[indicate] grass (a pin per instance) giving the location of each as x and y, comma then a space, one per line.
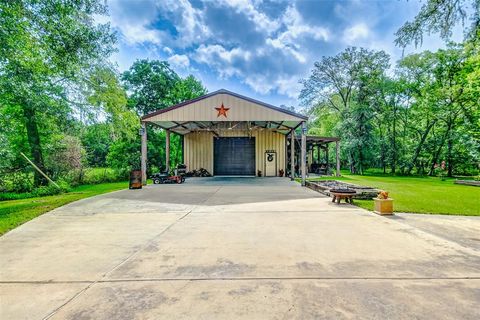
15, 212
420, 194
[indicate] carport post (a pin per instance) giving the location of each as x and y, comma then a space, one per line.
337, 154
167, 150
292, 154
143, 158
304, 152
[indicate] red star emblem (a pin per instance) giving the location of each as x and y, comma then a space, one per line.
222, 111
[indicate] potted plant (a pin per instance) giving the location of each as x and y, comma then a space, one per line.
383, 204
281, 173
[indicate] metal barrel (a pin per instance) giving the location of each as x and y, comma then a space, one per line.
135, 179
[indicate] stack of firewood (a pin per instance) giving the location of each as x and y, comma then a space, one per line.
199, 173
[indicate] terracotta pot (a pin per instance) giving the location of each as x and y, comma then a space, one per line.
383, 206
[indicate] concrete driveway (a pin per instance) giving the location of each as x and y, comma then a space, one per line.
242, 248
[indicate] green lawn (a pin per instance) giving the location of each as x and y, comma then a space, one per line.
420, 194
15, 212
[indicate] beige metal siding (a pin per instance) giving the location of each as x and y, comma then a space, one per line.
198, 148
198, 151
269, 140
239, 110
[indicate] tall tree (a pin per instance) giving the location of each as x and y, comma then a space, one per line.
153, 85
346, 84
45, 49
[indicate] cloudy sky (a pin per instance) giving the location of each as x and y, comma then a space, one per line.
257, 48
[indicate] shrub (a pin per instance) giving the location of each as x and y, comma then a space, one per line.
66, 159
16, 182
100, 175
50, 190
42, 191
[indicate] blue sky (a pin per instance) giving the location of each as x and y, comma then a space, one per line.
257, 48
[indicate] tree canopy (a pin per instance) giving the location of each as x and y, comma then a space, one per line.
441, 16
46, 48
64, 104
423, 114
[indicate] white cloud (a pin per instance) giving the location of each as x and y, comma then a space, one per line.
289, 86
262, 22
278, 44
259, 83
187, 20
284, 85
356, 32
133, 20
136, 19
221, 59
179, 60
297, 28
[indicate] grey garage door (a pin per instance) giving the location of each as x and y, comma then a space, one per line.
234, 156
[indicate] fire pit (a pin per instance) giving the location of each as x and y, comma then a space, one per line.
324, 186
339, 194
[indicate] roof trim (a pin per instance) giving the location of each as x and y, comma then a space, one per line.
152, 114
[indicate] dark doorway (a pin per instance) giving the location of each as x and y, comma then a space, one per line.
234, 156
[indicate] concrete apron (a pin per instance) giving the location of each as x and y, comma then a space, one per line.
223, 248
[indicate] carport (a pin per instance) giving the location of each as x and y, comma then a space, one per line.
230, 134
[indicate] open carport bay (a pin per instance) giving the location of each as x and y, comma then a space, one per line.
233, 248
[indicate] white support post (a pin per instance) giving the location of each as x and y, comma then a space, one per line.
337, 153
143, 158
304, 152
292, 155
167, 150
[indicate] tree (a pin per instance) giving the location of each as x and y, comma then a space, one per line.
187, 89
441, 104
106, 93
440, 16
45, 49
153, 85
333, 76
150, 85
347, 84
96, 140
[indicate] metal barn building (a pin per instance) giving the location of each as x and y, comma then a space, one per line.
230, 134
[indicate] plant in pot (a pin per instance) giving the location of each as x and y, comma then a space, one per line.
383, 204
259, 173
281, 173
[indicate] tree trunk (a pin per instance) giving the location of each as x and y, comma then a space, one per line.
449, 156
419, 147
394, 141
34, 142
436, 155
